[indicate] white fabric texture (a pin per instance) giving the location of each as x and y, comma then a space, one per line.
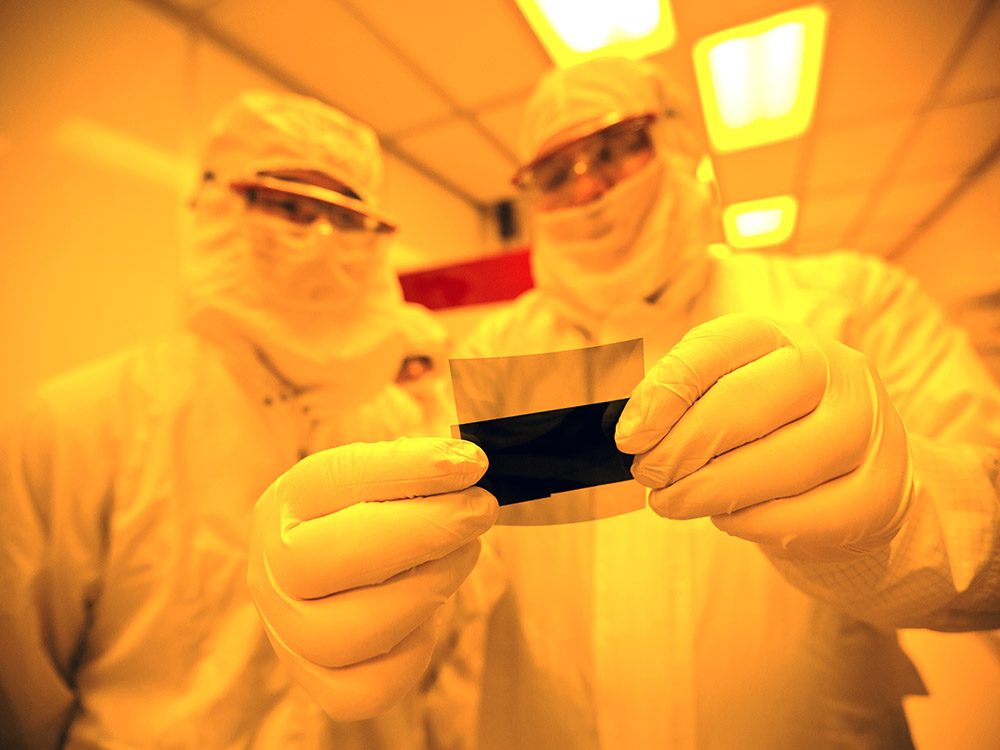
638, 631
126, 498
354, 553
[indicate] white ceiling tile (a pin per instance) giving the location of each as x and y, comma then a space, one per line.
323, 46
62, 60
828, 217
695, 19
905, 204
758, 173
190, 5
504, 122
882, 57
966, 238
978, 72
950, 140
477, 52
460, 154
853, 157
435, 227
221, 79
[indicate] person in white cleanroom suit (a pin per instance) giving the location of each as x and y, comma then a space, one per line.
821, 449
128, 487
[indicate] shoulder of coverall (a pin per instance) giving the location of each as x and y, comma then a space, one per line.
875, 306
147, 379
89, 412
864, 278
856, 279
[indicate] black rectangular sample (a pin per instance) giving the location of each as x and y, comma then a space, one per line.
539, 454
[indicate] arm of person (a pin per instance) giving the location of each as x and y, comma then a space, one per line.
942, 569
790, 440
52, 492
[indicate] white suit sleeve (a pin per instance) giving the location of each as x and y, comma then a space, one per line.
942, 571
50, 543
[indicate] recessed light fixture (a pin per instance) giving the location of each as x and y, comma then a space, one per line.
758, 82
758, 223
572, 31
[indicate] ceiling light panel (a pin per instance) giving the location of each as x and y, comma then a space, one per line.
759, 223
758, 82
572, 31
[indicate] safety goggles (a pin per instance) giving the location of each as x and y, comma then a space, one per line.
609, 154
304, 204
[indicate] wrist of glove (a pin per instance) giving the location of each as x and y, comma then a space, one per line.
353, 551
781, 436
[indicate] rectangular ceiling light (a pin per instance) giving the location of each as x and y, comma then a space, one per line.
758, 82
768, 221
572, 31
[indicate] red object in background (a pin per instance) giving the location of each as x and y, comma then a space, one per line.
497, 278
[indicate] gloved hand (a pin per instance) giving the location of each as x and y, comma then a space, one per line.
781, 436
353, 551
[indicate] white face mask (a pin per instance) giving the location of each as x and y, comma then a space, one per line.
311, 266
643, 237
599, 236
610, 250
324, 307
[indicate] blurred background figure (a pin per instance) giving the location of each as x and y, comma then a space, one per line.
693, 637
128, 484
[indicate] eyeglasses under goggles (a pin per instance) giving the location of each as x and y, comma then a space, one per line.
611, 154
304, 204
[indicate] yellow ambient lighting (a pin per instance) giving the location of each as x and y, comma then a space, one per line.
758, 82
769, 221
572, 31
99, 144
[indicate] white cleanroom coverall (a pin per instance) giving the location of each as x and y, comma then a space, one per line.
641, 631
128, 485
127, 495
636, 631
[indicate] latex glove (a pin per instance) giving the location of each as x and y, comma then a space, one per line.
781, 436
352, 553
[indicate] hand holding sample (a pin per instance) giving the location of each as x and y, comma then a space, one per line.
353, 551
781, 436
